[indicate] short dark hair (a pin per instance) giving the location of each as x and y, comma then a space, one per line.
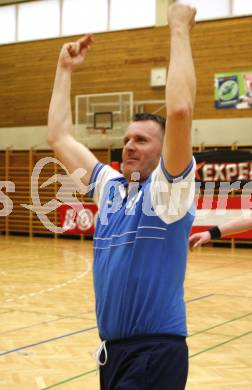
145, 116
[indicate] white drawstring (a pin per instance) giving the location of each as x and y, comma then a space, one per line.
101, 348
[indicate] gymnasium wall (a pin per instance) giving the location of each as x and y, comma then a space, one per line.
121, 61
204, 131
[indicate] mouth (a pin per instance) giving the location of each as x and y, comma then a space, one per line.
131, 160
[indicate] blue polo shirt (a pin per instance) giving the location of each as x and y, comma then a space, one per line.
140, 252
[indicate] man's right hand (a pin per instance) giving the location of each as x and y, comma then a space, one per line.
181, 15
71, 153
73, 54
199, 239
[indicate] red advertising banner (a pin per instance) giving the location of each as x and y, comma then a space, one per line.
78, 220
82, 219
231, 206
247, 234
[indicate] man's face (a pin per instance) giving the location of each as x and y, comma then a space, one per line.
142, 148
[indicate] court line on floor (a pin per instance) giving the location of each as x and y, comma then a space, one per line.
190, 357
234, 296
218, 325
220, 344
76, 332
47, 341
199, 298
43, 322
69, 379
202, 331
49, 289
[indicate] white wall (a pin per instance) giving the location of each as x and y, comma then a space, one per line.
222, 132
23, 138
209, 132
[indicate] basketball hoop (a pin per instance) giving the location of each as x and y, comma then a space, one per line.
103, 130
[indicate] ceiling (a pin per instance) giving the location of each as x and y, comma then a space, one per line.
5, 2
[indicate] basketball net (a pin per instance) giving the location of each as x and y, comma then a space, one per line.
103, 130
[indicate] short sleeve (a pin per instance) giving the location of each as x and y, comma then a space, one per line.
100, 176
171, 196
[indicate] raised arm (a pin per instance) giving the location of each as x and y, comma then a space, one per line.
180, 91
237, 225
71, 153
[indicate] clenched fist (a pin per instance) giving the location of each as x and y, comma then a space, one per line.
180, 15
73, 54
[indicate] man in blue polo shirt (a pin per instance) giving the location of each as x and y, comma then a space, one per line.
145, 216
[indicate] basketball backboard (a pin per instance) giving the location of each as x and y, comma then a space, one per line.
95, 113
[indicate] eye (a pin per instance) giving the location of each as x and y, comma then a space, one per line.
141, 140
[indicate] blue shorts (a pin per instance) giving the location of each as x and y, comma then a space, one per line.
153, 362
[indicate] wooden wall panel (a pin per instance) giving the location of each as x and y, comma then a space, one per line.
19, 173
120, 61
2, 178
17, 166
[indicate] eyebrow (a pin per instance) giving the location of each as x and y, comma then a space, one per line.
137, 137
140, 136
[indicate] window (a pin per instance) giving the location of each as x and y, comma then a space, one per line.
84, 16
242, 7
38, 19
209, 9
7, 24
130, 13
44, 18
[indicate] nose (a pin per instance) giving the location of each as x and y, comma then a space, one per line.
130, 145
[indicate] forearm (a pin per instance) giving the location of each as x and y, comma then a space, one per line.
60, 116
180, 98
181, 80
236, 226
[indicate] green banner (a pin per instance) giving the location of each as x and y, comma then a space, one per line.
233, 90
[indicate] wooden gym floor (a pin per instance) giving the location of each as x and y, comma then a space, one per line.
48, 328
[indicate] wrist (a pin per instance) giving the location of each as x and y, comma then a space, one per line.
64, 69
214, 232
179, 28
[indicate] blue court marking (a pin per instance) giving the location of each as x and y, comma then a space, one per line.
47, 341
77, 332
